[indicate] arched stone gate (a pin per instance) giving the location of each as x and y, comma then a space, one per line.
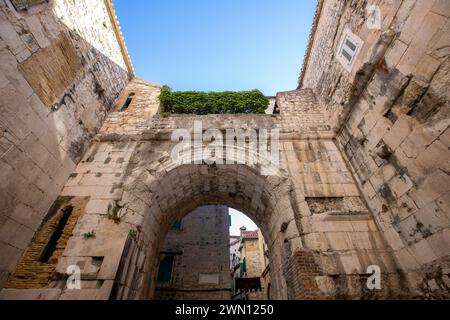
173, 194
321, 236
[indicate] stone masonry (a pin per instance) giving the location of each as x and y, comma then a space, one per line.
133, 185
391, 115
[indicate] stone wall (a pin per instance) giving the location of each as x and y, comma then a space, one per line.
199, 247
391, 113
58, 79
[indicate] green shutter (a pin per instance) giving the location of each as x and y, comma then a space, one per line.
177, 225
165, 269
229, 220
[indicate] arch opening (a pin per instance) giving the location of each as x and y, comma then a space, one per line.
214, 253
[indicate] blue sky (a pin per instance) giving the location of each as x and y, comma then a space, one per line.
217, 45
238, 219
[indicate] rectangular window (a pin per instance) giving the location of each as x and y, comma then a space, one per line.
165, 269
348, 49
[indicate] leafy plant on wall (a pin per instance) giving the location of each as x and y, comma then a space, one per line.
201, 103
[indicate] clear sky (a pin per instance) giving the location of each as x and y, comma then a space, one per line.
216, 45
238, 219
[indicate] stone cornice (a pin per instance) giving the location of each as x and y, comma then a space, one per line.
310, 42
115, 22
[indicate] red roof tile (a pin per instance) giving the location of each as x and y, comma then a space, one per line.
250, 234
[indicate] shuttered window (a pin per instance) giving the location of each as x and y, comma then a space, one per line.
165, 269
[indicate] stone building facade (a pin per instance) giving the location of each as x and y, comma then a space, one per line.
363, 177
197, 257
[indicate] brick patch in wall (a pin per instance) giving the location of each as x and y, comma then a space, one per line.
51, 70
301, 272
31, 273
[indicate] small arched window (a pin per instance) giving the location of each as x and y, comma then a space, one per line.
128, 101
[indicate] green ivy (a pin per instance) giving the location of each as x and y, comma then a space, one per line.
195, 102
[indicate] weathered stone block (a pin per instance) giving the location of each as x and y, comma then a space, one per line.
399, 131
89, 266
103, 293
38, 31
400, 185
440, 242
339, 241
406, 259
316, 241
30, 294
423, 252
9, 256
427, 67
350, 263
393, 239
395, 53
432, 219
432, 157
435, 185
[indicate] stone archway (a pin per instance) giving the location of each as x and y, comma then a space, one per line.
173, 194
321, 236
